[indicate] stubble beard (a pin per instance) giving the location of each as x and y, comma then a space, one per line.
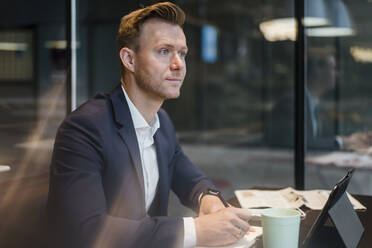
154, 90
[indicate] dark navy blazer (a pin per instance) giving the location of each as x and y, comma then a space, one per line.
96, 195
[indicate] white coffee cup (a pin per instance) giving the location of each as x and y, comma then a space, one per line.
281, 227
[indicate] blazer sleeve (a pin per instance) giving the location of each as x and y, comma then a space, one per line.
188, 181
77, 211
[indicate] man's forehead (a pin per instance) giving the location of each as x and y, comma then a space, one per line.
160, 31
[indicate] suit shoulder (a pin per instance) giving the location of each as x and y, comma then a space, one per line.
93, 111
97, 105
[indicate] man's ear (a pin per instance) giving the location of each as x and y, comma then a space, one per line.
127, 58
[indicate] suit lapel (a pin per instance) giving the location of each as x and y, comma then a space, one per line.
127, 132
161, 153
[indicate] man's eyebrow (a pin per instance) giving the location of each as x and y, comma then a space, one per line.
172, 46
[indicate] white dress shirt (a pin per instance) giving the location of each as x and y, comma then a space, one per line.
145, 137
314, 104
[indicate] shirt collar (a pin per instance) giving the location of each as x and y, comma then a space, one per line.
138, 119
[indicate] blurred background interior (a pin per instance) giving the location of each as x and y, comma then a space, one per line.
236, 114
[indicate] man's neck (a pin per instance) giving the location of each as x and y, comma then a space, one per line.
148, 106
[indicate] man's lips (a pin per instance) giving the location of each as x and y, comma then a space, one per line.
174, 79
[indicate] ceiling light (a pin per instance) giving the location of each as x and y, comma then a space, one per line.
13, 46
361, 54
340, 24
284, 27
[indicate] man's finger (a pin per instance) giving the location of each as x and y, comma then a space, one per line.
241, 224
243, 214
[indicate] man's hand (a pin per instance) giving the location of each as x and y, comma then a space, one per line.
210, 204
359, 142
223, 227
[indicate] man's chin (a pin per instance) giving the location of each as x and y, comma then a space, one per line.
173, 96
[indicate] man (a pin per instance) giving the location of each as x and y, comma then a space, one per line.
116, 157
319, 130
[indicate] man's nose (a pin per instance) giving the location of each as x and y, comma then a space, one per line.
177, 62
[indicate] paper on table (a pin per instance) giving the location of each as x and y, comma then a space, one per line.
316, 199
247, 241
287, 198
284, 198
4, 168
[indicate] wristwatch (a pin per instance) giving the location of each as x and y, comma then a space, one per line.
214, 192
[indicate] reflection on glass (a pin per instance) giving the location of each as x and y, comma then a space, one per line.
344, 106
32, 104
340, 24
319, 129
16, 53
361, 54
235, 116
321, 80
282, 24
32, 86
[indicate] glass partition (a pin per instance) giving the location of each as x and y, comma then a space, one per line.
339, 97
33, 62
32, 84
235, 117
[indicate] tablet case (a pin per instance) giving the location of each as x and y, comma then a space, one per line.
346, 228
346, 222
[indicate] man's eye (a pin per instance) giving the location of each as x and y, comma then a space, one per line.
182, 54
164, 51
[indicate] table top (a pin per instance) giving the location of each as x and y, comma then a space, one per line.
365, 217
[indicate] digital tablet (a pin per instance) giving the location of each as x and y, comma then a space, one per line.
320, 235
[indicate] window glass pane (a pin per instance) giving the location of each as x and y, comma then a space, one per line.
98, 67
338, 97
32, 82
